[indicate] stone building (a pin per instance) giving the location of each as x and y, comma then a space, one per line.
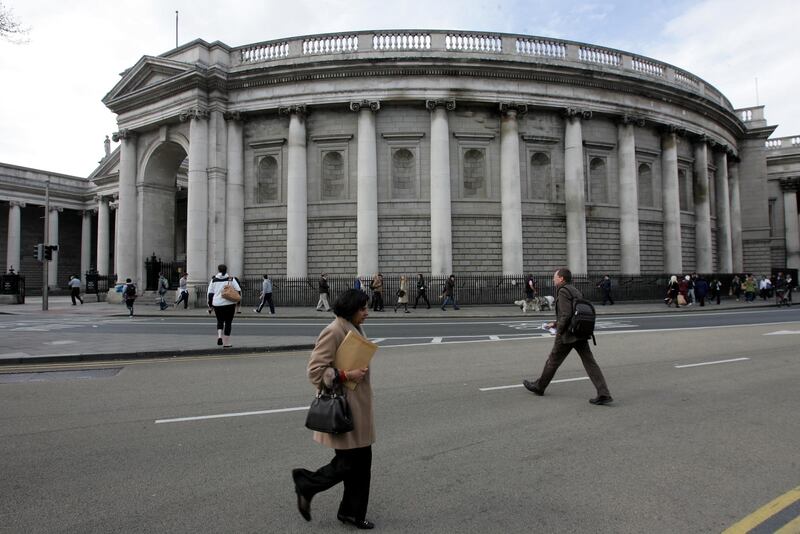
417, 151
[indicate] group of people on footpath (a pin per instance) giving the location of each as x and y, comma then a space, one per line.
352, 450
692, 289
376, 287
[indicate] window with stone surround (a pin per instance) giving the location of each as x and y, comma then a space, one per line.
540, 177
333, 177
712, 194
268, 180
404, 174
597, 184
474, 179
645, 183
684, 189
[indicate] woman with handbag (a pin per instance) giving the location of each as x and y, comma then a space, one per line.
352, 463
223, 295
402, 294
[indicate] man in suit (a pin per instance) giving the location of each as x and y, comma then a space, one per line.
565, 342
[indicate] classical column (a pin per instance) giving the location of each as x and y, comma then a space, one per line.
736, 220
52, 271
297, 194
790, 186
367, 211
704, 261
441, 223
234, 207
723, 214
86, 243
217, 192
628, 197
197, 193
511, 188
113, 207
574, 196
125, 252
103, 232
673, 260
14, 235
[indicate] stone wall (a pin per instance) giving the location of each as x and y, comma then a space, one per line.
477, 245
602, 246
757, 256
332, 247
404, 245
651, 247
544, 244
264, 248
688, 240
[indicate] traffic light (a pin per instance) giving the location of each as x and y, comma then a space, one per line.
38, 252
48, 251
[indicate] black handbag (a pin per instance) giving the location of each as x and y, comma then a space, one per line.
330, 413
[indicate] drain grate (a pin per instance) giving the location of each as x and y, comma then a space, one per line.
58, 376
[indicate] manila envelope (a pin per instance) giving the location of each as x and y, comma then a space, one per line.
355, 352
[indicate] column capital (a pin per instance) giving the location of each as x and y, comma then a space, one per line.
671, 129
520, 108
373, 105
449, 105
89, 211
237, 116
790, 184
571, 113
56, 208
298, 109
194, 113
626, 119
123, 134
99, 198
17, 203
113, 205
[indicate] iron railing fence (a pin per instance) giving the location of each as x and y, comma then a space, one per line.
99, 285
171, 269
470, 289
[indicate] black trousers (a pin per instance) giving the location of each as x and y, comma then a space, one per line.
266, 299
184, 297
560, 352
351, 466
421, 294
377, 301
75, 293
225, 317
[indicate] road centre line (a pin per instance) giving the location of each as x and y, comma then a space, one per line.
225, 415
772, 508
710, 363
520, 385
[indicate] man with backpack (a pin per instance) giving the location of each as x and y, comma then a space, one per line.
574, 326
163, 286
129, 294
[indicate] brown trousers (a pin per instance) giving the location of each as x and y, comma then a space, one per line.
559, 354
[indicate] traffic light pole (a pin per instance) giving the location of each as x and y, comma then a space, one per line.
45, 266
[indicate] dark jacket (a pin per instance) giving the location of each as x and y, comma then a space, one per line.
323, 286
530, 288
449, 287
420, 284
564, 297
700, 288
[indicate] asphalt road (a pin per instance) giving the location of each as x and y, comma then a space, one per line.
461, 447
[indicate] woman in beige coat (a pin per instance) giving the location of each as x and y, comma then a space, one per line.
402, 295
352, 463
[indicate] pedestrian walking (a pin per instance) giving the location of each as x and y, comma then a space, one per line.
701, 290
352, 461
422, 291
377, 292
605, 287
357, 283
402, 294
129, 295
449, 293
749, 288
673, 290
183, 291
266, 296
163, 286
531, 293
716, 289
565, 341
75, 289
324, 292
222, 303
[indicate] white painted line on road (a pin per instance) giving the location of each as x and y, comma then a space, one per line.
60, 342
710, 363
377, 339
494, 338
783, 333
224, 415
436, 340
520, 385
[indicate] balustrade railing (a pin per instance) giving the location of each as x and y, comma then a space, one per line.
599, 55
541, 48
468, 42
783, 142
648, 67
401, 41
330, 44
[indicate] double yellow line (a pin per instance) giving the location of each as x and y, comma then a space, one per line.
769, 510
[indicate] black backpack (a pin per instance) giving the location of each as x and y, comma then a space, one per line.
130, 292
581, 324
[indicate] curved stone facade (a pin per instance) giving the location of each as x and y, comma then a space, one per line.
433, 152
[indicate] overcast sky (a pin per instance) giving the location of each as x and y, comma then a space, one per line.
51, 116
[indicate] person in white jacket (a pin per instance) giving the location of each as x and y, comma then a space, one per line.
223, 308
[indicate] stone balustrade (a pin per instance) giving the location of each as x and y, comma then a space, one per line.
792, 141
502, 46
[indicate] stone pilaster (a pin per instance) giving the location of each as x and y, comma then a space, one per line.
511, 188
441, 221
217, 192
14, 244
574, 196
724, 254
673, 261
86, 243
367, 211
791, 225
297, 194
197, 193
704, 260
234, 208
52, 239
628, 197
737, 255
103, 233
126, 223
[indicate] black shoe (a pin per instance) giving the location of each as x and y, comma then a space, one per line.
601, 399
219, 341
362, 524
303, 502
533, 387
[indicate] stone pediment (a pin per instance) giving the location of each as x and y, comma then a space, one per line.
107, 169
149, 72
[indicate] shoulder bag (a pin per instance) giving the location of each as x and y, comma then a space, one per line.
330, 413
229, 293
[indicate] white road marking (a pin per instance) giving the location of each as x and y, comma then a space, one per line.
783, 333
520, 385
494, 338
60, 342
224, 415
377, 339
436, 340
710, 363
